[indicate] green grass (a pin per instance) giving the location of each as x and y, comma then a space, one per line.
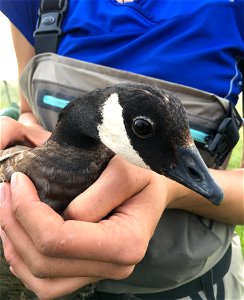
10, 94
235, 162
240, 231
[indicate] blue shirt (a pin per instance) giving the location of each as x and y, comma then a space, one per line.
195, 43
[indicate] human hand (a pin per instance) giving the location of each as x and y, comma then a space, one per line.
14, 132
55, 256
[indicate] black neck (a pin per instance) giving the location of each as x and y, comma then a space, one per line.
66, 135
77, 126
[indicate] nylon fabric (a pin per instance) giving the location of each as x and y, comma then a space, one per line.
185, 41
66, 78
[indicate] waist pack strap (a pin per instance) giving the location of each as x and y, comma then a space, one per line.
226, 136
48, 29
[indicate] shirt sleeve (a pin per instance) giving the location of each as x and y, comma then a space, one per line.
23, 14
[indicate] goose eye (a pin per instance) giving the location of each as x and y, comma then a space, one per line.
142, 127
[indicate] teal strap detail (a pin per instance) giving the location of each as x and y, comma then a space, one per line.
53, 101
198, 136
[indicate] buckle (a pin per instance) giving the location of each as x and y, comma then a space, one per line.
226, 137
50, 21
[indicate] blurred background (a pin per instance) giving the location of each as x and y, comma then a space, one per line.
8, 63
8, 70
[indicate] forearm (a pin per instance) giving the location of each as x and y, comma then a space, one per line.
26, 115
24, 52
230, 211
32, 132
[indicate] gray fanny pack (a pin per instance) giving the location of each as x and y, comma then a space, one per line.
51, 81
184, 245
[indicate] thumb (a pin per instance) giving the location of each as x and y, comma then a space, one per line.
119, 182
13, 196
23, 186
28, 208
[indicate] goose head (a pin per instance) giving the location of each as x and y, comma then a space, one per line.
148, 127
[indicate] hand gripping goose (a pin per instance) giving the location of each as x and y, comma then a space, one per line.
145, 125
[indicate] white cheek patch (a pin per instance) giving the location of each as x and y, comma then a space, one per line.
113, 134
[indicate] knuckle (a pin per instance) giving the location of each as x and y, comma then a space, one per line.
41, 288
48, 245
38, 269
43, 294
4, 224
9, 256
134, 258
122, 273
73, 212
44, 244
133, 252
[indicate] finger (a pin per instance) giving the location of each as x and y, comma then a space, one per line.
119, 181
3, 237
71, 239
11, 131
35, 135
145, 208
26, 198
2, 196
57, 267
46, 288
118, 239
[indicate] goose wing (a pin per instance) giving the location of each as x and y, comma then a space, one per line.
10, 160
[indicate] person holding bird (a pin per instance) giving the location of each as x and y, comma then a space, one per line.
133, 233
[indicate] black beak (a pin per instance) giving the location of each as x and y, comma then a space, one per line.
192, 172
